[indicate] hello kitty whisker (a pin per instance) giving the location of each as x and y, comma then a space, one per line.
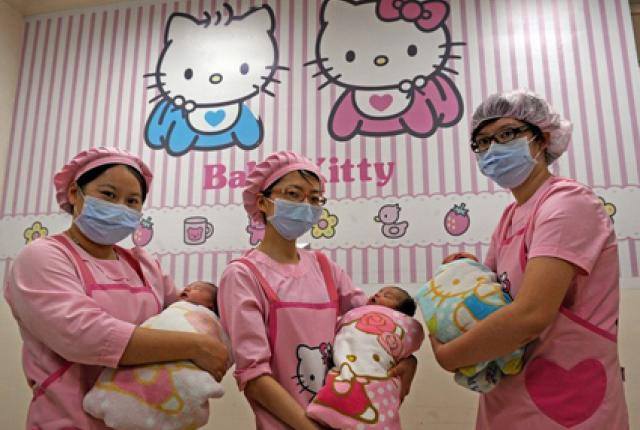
264, 90
158, 85
446, 69
330, 80
315, 75
455, 57
317, 60
445, 45
150, 74
277, 67
271, 79
159, 96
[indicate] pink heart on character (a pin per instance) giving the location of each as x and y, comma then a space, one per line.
380, 103
568, 397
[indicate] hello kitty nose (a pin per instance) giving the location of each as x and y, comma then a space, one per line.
216, 78
381, 60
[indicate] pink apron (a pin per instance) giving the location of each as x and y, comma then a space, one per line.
57, 396
300, 336
571, 378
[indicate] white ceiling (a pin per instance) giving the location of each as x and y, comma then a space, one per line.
33, 7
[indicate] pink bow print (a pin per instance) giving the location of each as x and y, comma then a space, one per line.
427, 15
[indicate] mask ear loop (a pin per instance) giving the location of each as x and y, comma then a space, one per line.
542, 149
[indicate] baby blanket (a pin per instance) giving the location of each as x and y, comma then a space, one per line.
357, 392
168, 396
460, 294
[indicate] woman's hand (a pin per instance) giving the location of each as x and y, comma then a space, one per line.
212, 356
438, 352
406, 370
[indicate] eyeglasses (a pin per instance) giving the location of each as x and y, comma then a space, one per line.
296, 194
483, 143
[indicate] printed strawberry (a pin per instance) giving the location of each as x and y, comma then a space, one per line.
456, 221
144, 233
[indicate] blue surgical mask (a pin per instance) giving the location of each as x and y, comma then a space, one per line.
292, 219
507, 164
106, 223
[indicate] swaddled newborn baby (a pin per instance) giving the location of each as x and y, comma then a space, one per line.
462, 292
371, 339
167, 396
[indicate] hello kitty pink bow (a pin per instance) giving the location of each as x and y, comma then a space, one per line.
427, 15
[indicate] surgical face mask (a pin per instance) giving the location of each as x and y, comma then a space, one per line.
292, 219
106, 223
507, 164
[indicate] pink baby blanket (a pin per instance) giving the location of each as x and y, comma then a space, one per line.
357, 392
168, 396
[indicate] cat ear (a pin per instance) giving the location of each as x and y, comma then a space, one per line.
261, 18
178, 25
334, 10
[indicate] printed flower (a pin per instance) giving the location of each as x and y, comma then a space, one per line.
391, 343
376, 323
326, 227
36, 231
609, 207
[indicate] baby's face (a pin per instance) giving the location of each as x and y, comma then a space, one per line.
390, 297
199, 293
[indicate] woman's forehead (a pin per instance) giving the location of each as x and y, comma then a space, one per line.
118, 176
296, 178
498, 124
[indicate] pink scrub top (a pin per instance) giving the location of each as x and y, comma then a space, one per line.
76, 314
571, 377
306, 298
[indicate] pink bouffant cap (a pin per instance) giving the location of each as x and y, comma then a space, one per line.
90, 159
274, 167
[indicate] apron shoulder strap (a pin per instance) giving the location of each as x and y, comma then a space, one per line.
325, 267
134, 262
85, 273
264, 284
131, 260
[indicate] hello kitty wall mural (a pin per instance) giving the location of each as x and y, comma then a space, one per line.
378, 93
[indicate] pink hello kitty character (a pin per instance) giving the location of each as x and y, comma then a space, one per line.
358, 392
391, 66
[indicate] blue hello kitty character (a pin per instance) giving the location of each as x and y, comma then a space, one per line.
206, 71
391, 64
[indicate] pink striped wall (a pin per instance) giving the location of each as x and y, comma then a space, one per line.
81, 85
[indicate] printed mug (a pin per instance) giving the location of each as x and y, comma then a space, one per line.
197, 230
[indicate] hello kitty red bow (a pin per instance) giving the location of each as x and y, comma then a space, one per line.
427, 15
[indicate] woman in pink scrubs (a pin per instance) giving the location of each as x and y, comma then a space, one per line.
280, 304
79, 298
556, 248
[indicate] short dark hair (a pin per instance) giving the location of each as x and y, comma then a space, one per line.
214, 287
92, 174
407, 306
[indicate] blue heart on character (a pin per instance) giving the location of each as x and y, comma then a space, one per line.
214, 117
